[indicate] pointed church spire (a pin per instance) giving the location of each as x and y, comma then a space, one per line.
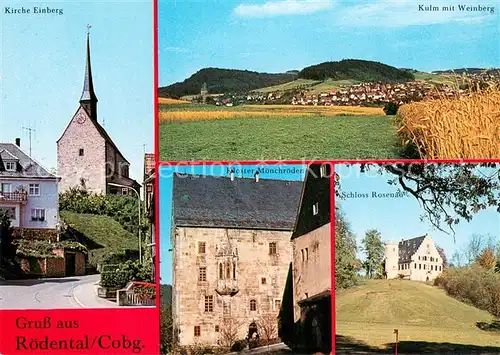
88, 99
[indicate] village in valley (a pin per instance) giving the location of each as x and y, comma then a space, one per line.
81, 235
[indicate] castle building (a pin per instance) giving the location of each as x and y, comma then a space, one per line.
86, 155
232, 253
414, 259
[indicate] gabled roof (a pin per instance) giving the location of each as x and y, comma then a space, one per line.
99, 128
6, 155
215, 201
407, 248
27, 167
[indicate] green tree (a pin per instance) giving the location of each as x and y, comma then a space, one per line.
448, 193
375, 252
346, 262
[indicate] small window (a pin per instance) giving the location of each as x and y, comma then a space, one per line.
10, 166
324, 170
277, 305
209, 303
263, 280
197, 330
81, 152
307, 254
272, 248
202, 274
124, 191
253, 305
38, 214
221, 272
315, 209
34, 189
440, 268
432, 267
302, 254
234, 271
201, 248
415, 266
6, 187
424, 266
217, 328
419, 266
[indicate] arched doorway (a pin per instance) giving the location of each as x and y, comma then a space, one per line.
313, 333
253, 331
316, 333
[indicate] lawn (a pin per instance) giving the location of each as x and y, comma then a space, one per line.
292, 138
428, 320
101, 234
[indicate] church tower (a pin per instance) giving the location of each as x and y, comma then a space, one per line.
88, 100
87, 157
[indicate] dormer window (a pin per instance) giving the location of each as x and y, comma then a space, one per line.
10, 166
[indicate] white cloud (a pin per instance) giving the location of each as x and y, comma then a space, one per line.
282, 7
408, 13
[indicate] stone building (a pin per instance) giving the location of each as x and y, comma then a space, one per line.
310, 329
414, 259
86, 155
232, 251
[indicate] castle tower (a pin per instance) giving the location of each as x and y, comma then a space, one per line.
391, 259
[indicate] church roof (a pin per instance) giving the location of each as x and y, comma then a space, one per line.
26, 166
407, 248
88, 93
216, 201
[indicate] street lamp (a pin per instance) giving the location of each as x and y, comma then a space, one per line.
139, 201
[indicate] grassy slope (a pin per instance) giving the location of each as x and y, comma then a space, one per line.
340, 137
102, 230
422, 313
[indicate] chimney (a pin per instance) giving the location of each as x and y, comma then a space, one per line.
256, 175
231, 174
18, 142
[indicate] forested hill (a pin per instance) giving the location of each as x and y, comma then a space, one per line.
224, 81
355, 69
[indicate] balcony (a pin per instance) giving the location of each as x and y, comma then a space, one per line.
227, 287
13, 197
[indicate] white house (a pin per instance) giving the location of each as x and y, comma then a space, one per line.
415, 259
27, 190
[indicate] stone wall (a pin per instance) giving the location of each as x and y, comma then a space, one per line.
260, 277
55, 267
79, 264
72, 167
311, 265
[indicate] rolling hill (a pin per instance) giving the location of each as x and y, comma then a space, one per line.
224, 81
355, 69
428, 320
242, 81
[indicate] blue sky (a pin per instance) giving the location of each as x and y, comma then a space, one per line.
280, 35
165, 208
399, 218
42, 69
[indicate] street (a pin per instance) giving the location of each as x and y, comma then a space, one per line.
52, 293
